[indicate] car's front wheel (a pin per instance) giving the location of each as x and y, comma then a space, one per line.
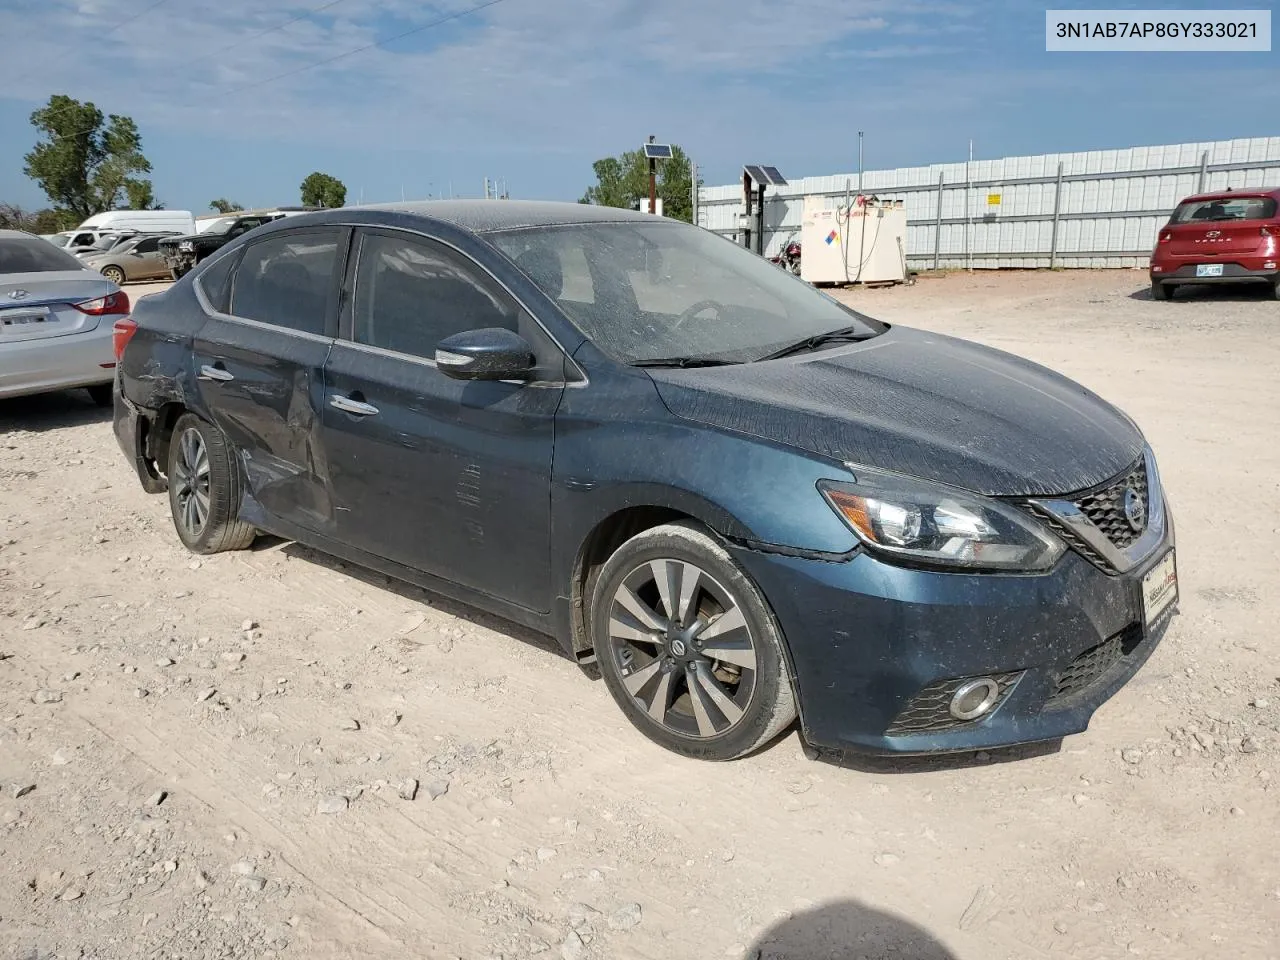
205, 488
688, 646
114, 274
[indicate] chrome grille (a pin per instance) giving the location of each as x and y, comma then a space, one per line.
1105, 508
929, 710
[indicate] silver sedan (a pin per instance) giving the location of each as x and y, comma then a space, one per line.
57, 320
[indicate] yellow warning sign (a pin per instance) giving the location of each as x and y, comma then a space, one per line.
993, 199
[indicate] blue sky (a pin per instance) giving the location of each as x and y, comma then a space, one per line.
230, 101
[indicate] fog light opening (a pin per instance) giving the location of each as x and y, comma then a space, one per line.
974, 698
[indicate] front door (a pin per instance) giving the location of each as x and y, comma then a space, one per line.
449, 477
260, 367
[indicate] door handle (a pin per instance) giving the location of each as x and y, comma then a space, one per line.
356, 407
220, 374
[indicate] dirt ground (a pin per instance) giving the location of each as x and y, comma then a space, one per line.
205, 758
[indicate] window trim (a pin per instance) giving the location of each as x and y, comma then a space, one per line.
333, 307
577, 377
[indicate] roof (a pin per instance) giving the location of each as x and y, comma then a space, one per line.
482, 216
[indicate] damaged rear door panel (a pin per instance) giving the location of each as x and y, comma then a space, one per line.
259, 370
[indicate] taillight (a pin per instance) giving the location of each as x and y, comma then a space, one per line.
1166, 237
121, 333
110, 305
1266, 231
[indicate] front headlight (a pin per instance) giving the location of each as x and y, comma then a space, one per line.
939, 525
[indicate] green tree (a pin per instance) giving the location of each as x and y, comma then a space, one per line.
322, 190
623, 181
13, 217
223, 205
141, 196
84, 162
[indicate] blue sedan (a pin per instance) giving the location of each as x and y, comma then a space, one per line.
743, 501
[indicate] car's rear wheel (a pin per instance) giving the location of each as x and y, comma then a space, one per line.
1159, 290
1275, 289
115, 275
688, 646
205, 488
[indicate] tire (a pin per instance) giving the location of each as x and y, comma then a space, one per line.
1160, 291
217, 489
1275, 289
176, 274
741, 703
100, 393
115, 275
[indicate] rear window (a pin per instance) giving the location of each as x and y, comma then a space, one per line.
33, 255
1234, 208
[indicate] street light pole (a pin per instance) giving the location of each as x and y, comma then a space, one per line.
653, 181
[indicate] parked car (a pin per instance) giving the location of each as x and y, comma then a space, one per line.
1216, 238
184, 252
740, 498
56, 320
143, 221
134, 258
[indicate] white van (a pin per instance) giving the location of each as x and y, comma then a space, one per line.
143, 221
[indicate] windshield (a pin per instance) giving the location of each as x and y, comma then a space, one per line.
220, 226
1223, 208
33, 255
59, 239
655, 290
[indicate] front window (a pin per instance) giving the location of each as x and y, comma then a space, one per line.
1225, 208
219, 227
650, 290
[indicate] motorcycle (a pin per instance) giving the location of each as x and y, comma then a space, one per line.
789, 259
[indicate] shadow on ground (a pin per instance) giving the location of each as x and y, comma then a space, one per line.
413, 593
1227, 293
845, 930
50, 411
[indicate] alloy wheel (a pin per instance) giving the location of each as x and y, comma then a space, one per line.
191, 475
683, 648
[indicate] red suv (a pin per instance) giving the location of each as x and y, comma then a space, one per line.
1229, 237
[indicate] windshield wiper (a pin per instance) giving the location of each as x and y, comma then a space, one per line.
684, 362
843, 335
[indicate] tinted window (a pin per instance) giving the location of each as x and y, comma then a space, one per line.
287, 280
150, 245
1225, 208
412, 294
33, 255
655, 289
215, 282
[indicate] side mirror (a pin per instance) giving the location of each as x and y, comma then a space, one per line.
493, 353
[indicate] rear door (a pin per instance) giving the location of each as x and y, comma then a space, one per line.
259, 362
449, 477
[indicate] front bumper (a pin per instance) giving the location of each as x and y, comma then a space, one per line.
83, 359
872, 643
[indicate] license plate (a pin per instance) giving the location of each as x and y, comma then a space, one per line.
1209, 270
19, 321
1159, 588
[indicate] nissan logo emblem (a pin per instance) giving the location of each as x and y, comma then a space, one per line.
1135, 510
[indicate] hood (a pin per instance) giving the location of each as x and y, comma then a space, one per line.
921, 404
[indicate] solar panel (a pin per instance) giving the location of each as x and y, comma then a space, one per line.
657, 151
765, 176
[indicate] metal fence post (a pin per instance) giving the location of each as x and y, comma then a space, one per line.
937, 226
1204, 171
1057, 208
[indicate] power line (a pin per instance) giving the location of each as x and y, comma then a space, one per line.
262, 33
128, 20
